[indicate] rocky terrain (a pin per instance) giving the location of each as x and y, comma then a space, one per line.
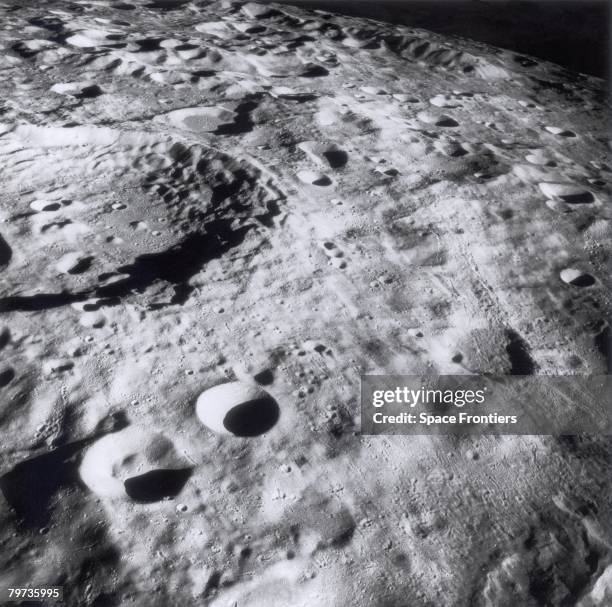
214, 217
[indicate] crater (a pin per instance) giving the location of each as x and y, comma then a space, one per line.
135, 463
238, 409
577, 278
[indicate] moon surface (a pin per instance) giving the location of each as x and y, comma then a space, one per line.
214, 217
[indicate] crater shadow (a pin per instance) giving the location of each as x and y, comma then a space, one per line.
518, 353
253, 417
156, 485
167, 5
582, 198
336, 158
6, 253
30, 486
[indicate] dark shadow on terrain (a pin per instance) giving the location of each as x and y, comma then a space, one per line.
29, 486
6, 377
264, 378
253, 417
518, 353
5, 337
89, 92
336, 158
242, 123
582, 198
217, 235
167, 5
603, 341
42, 301
179, 263
6, 252
156, 485
147, 45
175, 265
574, 34
314, 71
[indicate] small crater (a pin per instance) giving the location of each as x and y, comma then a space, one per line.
577, 278
555, 130
314, 178
437, 119
237, 408
89, 92
446, 121
45, 206
451, 149
74, 263
56, 366
314, 71
567, 192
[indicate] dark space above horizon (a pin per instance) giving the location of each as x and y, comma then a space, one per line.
572, 33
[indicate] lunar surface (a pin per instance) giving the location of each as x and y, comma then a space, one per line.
214, 218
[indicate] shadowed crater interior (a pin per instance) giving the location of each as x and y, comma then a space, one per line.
167, 5
581, 198
519, 355
336, 158
253, 417
156, 485
584, 280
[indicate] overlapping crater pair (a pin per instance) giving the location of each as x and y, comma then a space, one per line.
142, 466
